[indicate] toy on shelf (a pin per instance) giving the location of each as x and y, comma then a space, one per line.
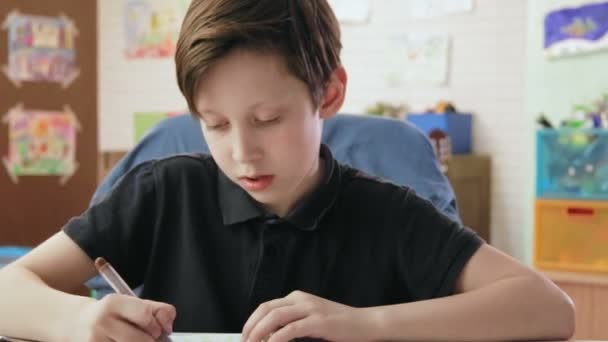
594, 115
387, 109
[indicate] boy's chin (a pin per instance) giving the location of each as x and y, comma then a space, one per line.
267, 200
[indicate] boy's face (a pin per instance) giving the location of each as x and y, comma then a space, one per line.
262, 128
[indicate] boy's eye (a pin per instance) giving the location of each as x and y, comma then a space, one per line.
267, 121
217, 126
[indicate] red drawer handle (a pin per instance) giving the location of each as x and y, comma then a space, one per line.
581, 211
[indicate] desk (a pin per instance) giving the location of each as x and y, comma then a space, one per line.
228, 338
590, 295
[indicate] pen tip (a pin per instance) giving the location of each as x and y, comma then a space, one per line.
100, 262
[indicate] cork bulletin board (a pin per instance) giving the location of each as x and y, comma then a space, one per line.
48, 115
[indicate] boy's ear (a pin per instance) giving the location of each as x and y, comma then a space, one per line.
334, 94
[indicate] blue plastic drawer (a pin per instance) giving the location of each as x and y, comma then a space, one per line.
572, 163
455, 125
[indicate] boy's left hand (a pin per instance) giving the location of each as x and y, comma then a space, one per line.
304, 315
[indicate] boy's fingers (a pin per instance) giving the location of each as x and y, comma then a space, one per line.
260, 312
165, 321
124, 331
138, 312
165, 315
301, 328
276, 319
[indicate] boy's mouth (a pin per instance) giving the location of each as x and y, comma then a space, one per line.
257, 183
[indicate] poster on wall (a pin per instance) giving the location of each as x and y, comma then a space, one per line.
436, 8
351, 11
144, 121
40, 49
152, 27
41, 143
418, 58
576, 30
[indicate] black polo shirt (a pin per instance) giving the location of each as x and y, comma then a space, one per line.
196, 240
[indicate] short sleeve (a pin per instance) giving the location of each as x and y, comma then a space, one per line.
434, 249
119, 227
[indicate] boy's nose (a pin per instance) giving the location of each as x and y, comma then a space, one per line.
245, 149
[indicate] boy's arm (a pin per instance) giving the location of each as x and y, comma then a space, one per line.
497, 299
34, 305
33, 302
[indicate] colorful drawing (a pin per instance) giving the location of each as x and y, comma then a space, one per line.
152, 27
41, 143
418, 58
572, 31
144, 121
40, 49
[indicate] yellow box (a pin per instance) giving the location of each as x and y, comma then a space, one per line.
571, 235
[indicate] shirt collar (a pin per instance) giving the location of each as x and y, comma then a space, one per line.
238, 206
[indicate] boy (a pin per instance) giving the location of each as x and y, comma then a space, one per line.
271, 236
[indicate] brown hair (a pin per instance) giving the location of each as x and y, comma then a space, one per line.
304, 32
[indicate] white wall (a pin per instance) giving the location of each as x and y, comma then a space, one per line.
487, 78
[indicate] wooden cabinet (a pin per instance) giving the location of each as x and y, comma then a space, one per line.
106, 161
590, 295
469, 175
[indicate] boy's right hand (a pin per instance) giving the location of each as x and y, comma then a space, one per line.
121, 318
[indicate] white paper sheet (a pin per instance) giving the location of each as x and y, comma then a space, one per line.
199, 337
175, 337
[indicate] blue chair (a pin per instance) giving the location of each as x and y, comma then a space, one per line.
388, 148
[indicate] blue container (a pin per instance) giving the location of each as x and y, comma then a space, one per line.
572, 164
10, 253
455, 125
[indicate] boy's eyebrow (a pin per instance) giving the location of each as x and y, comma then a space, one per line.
251, 108
255, 106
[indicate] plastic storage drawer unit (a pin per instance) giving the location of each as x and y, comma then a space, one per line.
571, 235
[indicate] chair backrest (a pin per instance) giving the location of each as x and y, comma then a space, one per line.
387, 148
